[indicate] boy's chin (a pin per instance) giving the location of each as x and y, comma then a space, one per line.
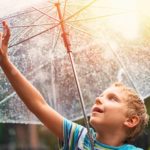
96, 121
93, 121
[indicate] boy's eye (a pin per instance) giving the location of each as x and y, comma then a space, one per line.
112, 97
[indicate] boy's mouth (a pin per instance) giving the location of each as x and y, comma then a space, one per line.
97, 109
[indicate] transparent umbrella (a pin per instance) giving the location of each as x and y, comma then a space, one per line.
109, 42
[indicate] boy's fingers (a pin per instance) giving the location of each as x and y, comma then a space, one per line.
1, 38
6, 32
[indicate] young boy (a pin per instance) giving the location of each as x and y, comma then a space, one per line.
117, 116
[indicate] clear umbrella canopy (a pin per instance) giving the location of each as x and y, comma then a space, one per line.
109, 42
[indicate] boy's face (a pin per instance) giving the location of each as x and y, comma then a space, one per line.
109, 111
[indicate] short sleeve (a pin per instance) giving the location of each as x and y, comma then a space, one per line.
72, 133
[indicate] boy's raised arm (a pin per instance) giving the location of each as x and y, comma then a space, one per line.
26, 91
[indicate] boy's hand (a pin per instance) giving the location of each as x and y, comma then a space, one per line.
4, 39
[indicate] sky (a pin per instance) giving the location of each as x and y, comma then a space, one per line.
11, 6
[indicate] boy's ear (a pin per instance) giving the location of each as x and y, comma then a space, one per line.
132, 121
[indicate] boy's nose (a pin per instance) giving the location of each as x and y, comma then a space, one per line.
98, 101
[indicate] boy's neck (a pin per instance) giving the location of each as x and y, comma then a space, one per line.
115, 139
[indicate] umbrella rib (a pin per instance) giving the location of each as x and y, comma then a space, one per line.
17, 36
123, 66
33, 36
99, 17
85, 7
56, 41
125, 70
45, 14
7, 98
28, 27
64, 8
32, 25
53, 70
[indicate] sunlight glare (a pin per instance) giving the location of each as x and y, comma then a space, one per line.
143, 7
127, 23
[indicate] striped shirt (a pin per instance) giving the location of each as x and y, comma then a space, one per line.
76, 138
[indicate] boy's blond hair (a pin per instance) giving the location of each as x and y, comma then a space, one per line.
135, 106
